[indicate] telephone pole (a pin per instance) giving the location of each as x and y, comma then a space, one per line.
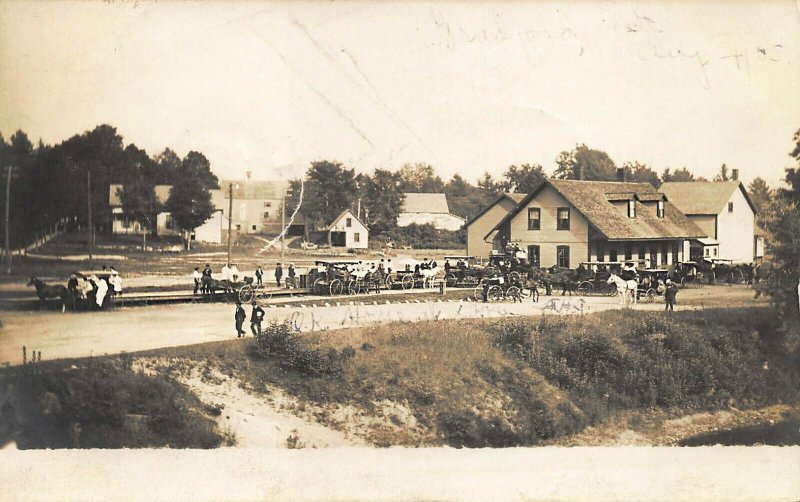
91, 226
283, 225
230, 219
8, 219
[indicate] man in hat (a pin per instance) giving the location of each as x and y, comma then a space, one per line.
670, 291
240, 316
278, 274
256, 316
259, 276
197, 277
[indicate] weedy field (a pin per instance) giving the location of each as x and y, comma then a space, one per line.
514, 382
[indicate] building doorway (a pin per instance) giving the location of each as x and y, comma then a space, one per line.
338, 239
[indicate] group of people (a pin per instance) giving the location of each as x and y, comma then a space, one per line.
291, 275
256, 316
663, 286
98, 289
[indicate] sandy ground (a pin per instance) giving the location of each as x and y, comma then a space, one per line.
253, 420
67, 335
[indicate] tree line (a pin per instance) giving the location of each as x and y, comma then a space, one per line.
52, 187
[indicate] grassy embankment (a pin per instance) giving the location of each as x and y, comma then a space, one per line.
100, 403
518, 381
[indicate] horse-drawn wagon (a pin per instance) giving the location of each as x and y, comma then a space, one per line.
411, 273
463, 271
331, 277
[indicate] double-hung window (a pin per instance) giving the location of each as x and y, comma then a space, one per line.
534, 218
563, 218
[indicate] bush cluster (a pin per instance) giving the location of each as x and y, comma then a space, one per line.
278, 340
655, 361
426, 237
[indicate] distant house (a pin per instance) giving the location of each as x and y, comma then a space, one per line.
210, 231
484, 221
347, 231
726, 214
567, 222
257, 206
422, 208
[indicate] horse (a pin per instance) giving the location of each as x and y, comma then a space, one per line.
624, 288
211, 286
428, 276
45, 291
564, 277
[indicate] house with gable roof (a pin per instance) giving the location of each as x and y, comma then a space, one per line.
346, 230
484, 221
567, 222
428, 208
725, 212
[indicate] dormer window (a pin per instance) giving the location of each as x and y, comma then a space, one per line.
631, 209
660, 209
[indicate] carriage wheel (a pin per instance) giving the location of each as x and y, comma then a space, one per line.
684, 283
389, 281
352, 287
263, 294
513, 277
246, 294
650, 295
737, 276
408, 281
585, 288
450, 280
318, 287
336, 287
514, 293
477, 293
495, 294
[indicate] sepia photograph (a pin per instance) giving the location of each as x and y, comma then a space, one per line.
400, 250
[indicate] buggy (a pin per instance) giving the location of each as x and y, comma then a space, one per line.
331, 277
464, 271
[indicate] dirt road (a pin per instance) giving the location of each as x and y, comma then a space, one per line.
59, 335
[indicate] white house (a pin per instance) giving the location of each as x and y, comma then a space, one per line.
422, 208
257, 206
724, 211
348, 231
210, 231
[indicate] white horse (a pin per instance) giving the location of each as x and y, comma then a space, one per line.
626, 289
429, 276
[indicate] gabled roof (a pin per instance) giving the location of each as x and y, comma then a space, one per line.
591, 200
254, 189
513, 197
703, 197
425, 203
342, 215
162, 194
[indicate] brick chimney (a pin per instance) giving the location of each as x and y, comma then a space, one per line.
735, 174
620, 174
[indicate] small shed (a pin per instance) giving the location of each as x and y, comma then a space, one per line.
348, 231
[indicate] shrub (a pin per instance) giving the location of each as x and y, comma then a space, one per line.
279, 341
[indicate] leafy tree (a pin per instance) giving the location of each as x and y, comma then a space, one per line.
681, 174
168, 164
382, 200
595, 165
189, 202
196, 164
488, 184
784, 229
723, 174
523, 179
330, 189
420, 178
139, 202
465, 199
641, 173
760, 193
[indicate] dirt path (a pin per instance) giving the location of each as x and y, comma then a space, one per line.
253, 420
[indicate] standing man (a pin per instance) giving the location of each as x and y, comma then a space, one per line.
197, 278
291, 275
240, 316
256, 316
206, 279
226, 272
259, 276
278, 274
670, 292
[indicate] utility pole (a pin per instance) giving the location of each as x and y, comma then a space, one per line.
8, 219
230, 219
91, 226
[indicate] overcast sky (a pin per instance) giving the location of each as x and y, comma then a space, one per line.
269, 87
